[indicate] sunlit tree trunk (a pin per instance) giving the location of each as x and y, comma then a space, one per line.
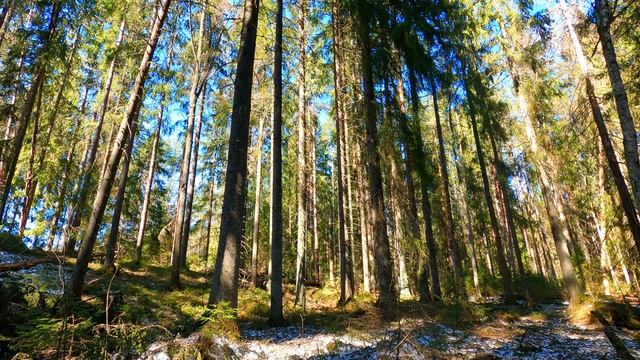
181, 227
301, 240
111, 245
80, 200
364, 229
193, 170
314, 202
227, 266
125, 133
149, 186
255, 236
614, 166
29, 178
604, 19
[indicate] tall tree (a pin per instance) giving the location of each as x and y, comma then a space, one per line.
276, 316
227, 266
604, 18
497, 238
444, 174
180, 231
387, 296
125, 133
82, 187
255, 235
625, 196
301, 239
10, 160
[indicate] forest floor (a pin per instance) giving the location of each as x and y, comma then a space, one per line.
143, 320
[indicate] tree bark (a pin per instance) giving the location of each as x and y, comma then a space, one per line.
144, 213
629, 133
225, 277
387, 297
125, 133
255, 236
111, 245
276, 316
301, 239
193, 170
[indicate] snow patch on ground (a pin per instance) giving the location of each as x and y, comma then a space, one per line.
552, 338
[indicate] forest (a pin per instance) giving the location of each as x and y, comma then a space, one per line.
319, 179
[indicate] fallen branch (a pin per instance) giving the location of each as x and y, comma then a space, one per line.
621, 350
26, 264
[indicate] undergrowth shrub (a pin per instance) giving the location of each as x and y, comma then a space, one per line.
536, 289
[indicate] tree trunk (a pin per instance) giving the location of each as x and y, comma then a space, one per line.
501, 178
111, 245
458, 274
502, 263
623, 191
349, 146
64, 183
314, 202
387, 297
225, 277
210, 213
36, 167
464, 197
255, 236
193, 170
125, 133
180, 238
629, 134
149, 186
301, 239
364, 227
79, 204
46, 40
276, 316
421, 168
5, 19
